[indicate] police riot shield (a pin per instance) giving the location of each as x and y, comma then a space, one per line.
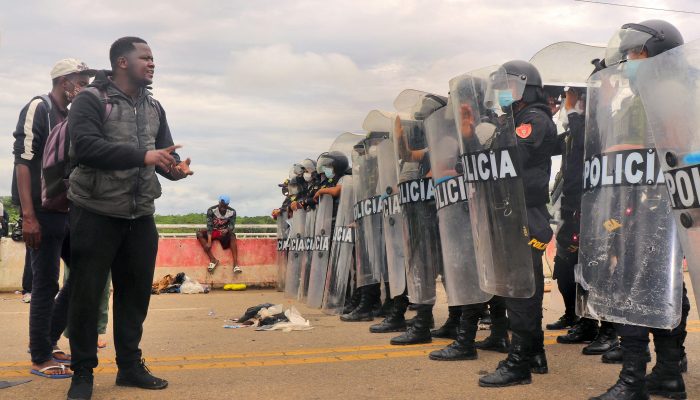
342, 250
306, 254
460, 274
671, 95
630, 261
370, 252
345, 142
566, 63
416, 194
388, 187
294, 253
494, 179
321, 248
282, 233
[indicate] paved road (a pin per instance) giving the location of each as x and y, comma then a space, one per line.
335, 360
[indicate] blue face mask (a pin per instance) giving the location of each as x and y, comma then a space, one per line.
328, 172
631, 67
505, 98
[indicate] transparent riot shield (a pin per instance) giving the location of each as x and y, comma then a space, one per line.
345, 142
416, 194
306, 254
294, 253
566, 63
460, 274
342, 251
321, 249
392, 219
282, 233
494, 179
630, 261
370, 252
671, 95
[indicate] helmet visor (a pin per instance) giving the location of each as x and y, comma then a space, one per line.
625, 43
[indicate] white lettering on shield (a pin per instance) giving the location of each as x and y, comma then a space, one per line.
622, 168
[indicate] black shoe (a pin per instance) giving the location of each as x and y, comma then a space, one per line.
419, 331
614, 356
357, 315
493, 343
666, 378
140, 376
363, 311
670, 387
538, 363
454, 352
584, 331
81, 385
411, 321
514, 370
604, 342
449, 329
564, 322
630, 385
389, 324
385, 308
352, 302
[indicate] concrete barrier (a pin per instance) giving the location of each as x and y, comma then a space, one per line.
256, 259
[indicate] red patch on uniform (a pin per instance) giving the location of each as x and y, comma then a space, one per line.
523, 130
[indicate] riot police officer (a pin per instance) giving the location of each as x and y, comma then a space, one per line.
536, 139
651, 210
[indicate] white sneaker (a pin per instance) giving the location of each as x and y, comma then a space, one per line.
237, 269
211, 267
27, 298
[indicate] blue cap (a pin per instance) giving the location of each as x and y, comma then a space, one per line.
225, 198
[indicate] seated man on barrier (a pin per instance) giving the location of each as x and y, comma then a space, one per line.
221, 223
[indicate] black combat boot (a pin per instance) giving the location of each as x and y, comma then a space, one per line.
564, 322
514, 370
395, 321
463, 347
363, 311
614, 356
498, 339
351, 302
419, 331
665, 378
584, 331
630, 385
388, 305
449, 329
604, 342
538, 359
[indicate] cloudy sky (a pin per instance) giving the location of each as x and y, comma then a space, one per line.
252, 86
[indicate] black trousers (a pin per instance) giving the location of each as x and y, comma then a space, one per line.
45, 313
564, 264
636, 338
128, 249
27, 274
526, 314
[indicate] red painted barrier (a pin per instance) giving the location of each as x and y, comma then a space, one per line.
187, 253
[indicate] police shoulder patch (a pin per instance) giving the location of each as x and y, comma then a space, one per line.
523, 130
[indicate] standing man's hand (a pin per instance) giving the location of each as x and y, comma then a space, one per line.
162, 158
31, 231
182, 170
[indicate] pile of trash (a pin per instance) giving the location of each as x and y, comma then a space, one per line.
271, 317
181, 283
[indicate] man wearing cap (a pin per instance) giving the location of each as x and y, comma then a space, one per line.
44, 231
221, 221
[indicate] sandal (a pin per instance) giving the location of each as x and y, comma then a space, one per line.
43, 374
213, 265
56, 351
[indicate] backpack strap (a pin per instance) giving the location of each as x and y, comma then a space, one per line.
104, 99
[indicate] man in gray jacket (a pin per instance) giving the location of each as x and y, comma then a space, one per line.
119, 140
